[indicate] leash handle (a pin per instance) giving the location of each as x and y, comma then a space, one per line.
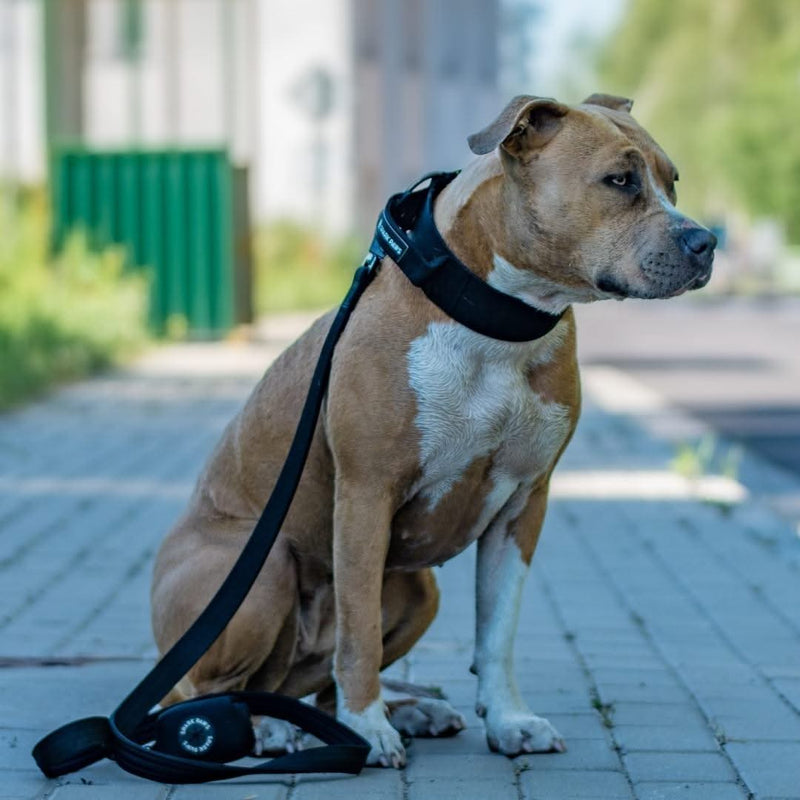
82, 742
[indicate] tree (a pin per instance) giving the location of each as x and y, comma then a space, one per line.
718, 84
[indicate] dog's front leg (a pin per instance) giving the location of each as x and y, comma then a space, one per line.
362, 523
504, 554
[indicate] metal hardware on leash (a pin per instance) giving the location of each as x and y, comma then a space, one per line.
371, 262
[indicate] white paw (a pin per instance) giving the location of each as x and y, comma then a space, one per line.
274, 736
515, 732
426, 717
386, 749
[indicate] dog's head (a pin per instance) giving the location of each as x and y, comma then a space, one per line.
588, 201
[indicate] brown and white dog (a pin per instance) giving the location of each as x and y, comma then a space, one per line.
432, 437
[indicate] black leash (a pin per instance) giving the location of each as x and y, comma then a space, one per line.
204, 728
190, 742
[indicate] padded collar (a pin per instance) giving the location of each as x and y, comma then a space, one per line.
407, 233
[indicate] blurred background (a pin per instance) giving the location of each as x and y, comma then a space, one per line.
180, 168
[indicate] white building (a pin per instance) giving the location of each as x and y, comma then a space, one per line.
22, 141
334, 104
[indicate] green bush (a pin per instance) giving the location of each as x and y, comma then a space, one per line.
297, 268
64, 317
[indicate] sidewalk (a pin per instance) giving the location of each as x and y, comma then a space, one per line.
660, 633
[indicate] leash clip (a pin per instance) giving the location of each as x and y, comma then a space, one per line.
371, 262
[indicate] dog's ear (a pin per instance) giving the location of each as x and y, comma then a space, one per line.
609, 101
525, 123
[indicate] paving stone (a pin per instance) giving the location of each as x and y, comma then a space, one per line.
103, 774
708, 767
565, 702
471, 741
765, 707
790, 672
135, 791
15, 748
757, 727
666, 739
790, 689
579, 726
641, 693
684, 790
40, 699
718, 677
634, 676
628, 713
385, 784
456, 789
23, 784
551, 784
246, 790
582, 754
768, 768
491, 766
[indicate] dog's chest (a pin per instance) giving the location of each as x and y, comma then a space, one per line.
475, 399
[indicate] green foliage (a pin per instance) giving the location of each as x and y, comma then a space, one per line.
297, 268
706, 457
717, 82
64, 318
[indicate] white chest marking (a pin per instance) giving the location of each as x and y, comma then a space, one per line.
473, 398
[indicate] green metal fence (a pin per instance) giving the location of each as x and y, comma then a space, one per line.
179, 213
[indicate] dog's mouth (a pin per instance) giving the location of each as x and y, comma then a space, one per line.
701, 280
609, 285
619, 290
697, 282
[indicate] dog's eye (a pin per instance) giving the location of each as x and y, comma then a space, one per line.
628, 182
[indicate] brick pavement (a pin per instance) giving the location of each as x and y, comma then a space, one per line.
661, 635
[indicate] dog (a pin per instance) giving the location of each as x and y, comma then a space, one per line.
432, 437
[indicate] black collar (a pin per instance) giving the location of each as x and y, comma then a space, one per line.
407, 233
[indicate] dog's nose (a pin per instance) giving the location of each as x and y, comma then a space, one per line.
698, 242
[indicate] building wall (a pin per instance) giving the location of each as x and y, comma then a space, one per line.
334, 104
410, 80
426, 77
185, 84
306, 100
21, 92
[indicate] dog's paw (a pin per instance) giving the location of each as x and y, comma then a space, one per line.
514, 733
426, 717
386, 749
275, 736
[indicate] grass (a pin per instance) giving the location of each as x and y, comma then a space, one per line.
60, 318
299, 269
605, 710
706, 457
